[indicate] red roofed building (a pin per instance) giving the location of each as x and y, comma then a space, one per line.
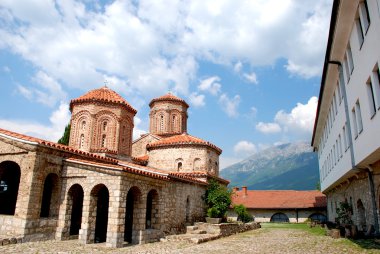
281, 205
101, 187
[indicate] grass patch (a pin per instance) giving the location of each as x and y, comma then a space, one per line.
317, 230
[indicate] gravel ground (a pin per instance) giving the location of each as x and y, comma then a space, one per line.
265, 240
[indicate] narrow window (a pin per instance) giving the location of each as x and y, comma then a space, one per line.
179, 166
335, 105
350, 59
359, 117
81, 142
359, 31
376, 86
355, 122
162, 123
339, 93
364, 15
104, 141
83, 125
104, 126
345, 138
336, 152
346, 70
371, 98
340, 146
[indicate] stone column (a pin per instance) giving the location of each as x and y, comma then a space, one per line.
116, 216
87, 233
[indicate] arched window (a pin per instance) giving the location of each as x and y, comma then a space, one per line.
361, 218
83, 125
9, 182
104, 125
318, 217
104, 140
162, 123
179, 166
49, 203
81, 142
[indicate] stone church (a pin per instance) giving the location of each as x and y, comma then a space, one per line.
104, 187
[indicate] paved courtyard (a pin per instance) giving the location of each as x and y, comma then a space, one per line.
269, 239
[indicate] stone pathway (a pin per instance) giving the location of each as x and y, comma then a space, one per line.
265, 240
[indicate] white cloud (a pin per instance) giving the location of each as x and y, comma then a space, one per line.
300, 119
197, 100
54, 131
137, 131
230, 105
245, 148
228, 161
268, 128
158, 46
298, 122
210, 85
251, 77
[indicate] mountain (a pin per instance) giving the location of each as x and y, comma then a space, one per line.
292, 166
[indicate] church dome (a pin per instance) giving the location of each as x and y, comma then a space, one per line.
169, 97
103, 94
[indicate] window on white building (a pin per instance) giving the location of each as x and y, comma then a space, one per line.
371, 98
376, 86
346, 70
359, 31
339, 92
350, 60
340, 146
355, 122
335, 104
359, 117
344, 138
364, 15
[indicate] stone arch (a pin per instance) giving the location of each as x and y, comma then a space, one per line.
105, 126
361, 218
152, 210
75, 208
50, 196
197, 164
318, 217
188, 205
98, 216
78, 129
133, 212
178, 164
279, 217
9, 184
175, 121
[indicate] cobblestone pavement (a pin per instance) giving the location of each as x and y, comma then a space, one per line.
265, 240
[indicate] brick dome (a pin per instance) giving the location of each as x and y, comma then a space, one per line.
103, 94
169, 97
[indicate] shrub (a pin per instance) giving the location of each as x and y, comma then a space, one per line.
243, 214
344, 213
218, 199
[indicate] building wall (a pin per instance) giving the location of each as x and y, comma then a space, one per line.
168, 118
265, 215
139, 146
118, 131
192, 158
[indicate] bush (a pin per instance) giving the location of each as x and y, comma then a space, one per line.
218, 199
344, 213
243, 214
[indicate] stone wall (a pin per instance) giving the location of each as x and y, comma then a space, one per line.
192, 158
356, 191
139, 146
226, 229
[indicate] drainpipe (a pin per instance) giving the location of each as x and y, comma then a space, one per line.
369, 170
347, 112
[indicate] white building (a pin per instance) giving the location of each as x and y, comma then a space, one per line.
347, 127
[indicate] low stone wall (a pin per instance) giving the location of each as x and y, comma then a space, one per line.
11, 225
226, 229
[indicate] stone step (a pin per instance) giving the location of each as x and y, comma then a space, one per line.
191, 228
199, 232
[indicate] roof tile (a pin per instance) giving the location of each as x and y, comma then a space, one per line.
168, 97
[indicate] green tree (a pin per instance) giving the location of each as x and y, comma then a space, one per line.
64, 140
318, 186
242, 213
218, 199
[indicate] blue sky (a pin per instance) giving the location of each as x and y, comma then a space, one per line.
250, 70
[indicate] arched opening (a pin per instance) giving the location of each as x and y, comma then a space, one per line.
49, 203
318, 217
81, 144
188, 209
103, 140
76, 198
104, 125
151, 219
9, 183
279, 218
133, 200
83, 125
361, 219
99, 203
197, 164
179, 166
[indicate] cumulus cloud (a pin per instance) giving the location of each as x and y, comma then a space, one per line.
197, 100
245, 148
268, 128
155, 47
251, 77
299, 121
230, 105
52, 132
210, 85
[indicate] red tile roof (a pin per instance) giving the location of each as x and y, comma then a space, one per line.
55, 145
169, 97
103, 94
182, 139
201, 174
280, 199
